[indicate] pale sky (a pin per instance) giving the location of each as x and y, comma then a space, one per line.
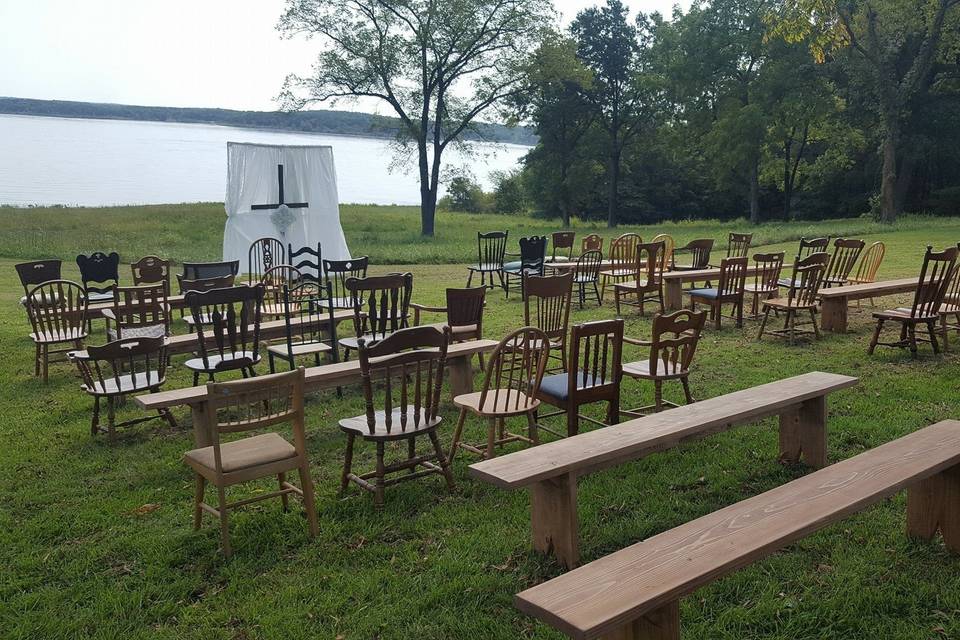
183, 53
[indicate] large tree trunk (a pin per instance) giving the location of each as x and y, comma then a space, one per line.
564, 195
787, 178
888, 184
612, 203
755, 192
428, 193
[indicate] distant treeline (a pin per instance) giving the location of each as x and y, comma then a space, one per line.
321, 121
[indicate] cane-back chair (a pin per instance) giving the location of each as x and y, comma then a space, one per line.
647, 285
118, 368
241, 407
546, 306
227, 322
806, 278
308, 260
699, 251
491, 248
37, 272
533, 253
381, 306
936, 275
57, 310
100, 273
138, 312
407, 367
151, 270
765, 278
337, 272
587, 274
510, 386
622, 261
593, 375
669, 244
845, 254
309, 325
263, 254
730, 289
672, 346
591, 242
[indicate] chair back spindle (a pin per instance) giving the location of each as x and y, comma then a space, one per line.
515, 370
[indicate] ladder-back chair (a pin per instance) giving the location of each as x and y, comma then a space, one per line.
309, 325
308, 260
491, 248
546, 306
730, 289
806, 278
647, 285
57, 310
263, 254
381, 306
622, 261
227, 322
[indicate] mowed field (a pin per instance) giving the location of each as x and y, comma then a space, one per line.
96, 538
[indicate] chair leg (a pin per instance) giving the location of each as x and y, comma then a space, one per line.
596, 292
763, 323
95, 421
533, 430
46, 363
657, 396
37, 358
912, 337
876, 337
813, 319
411, 452
273, 368
224, 522
715, 310
933, 337
457, 432
616, 298
196, 378
491, 439
309, 501
740, 313
347, 464
381, 473
200, 487
442, 459
284, 498
944, 331
573, 421
469, 277
686, 390
111, 417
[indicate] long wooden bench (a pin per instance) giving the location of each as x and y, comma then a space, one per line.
835, 300
551, 470
634, 593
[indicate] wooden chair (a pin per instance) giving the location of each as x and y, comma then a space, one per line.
765, 278
464, 311
308, 320
201, 285
699, 251
151, 270
242, 406
733, 279
738, 244
37, 272
623, 261
274, 281
802, 296
950, 309
410, 365
587, 273
533, 252
308, 260
138, 312
561, 240
263, 254
57, 310
118, 368
669, 244
100, 273
592, 242
546, 306
337, 272
204, 270
227, 322
381, 306
593, 375
491, 248
672, 347
510, 387
845, 254
935, 277
647, 285
868, 266
807, 248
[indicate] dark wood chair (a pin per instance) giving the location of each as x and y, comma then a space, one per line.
310, 329
699, 251
765, 278
491, 248
381, 306
587, 274
37, 272
308, 260
151, 270
935, 277
738, 244
672, 347
562, 246
533, 253
263, 254
808, 248
622, 261
950, 309
464, 311
138, 312
730, 289
118, 368
546, 306
100, 273
337, 272
593, 375
201, 285
647, 285
227, 322
205, 270
274, 281
240, 407
408, 366
510, 386
591, 242
802, 296
845, 254
57, 310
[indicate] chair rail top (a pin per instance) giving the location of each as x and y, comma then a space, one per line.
629, 440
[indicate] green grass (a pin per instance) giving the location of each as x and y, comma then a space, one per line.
81, 560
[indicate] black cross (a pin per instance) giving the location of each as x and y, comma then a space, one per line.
292, 205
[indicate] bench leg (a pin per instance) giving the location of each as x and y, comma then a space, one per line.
201, 428
461, 376
673, 290
553, 518
833, 315
803, 433
934, 504
659, 624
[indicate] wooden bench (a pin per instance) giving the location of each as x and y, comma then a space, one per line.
326, 376
634, 593
673, 282
551, 470
834, 301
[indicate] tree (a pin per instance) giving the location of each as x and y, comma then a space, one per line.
439, 65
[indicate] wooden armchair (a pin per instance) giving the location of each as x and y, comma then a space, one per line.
593, 375
845, 254
240, 407
57, 310
672, 347
699, 251
410, 365
381, 306
151, 270
227, 322
464, 311
491, 248
802, 296
138, 312
622, 261
587, 273
765, 278
263, 254
647, 285
733, 279
309, 327
546, 306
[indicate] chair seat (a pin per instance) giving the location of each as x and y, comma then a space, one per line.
557, 387
99, 297
459, 330
59, 335
145, 331
490, 266
630, 286
784, 303
759, 288
218, 362
787, 282
358, 425
642, 369
246, 453
338, 303
299, 349
512, 266
505, 403
902, 313
585, 278
704, 293
351, 342
619, 273
142, 381
948, 309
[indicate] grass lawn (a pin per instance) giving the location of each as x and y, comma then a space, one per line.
96, 538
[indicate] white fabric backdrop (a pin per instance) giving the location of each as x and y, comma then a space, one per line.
308, 176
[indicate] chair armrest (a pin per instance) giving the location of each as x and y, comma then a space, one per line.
639, 343
420, 308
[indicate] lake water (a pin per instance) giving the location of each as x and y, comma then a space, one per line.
104, 162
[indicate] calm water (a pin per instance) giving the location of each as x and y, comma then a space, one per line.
103, 162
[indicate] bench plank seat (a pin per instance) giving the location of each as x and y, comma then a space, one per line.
835, 300
612, 595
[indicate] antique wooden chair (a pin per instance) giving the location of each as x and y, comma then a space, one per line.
533, 252
274, 280
240, 407
669, 244
491, 248
672, 347
733, 279
546, 306
227, 322
738, 244
139, 312
592, 242
699, 251
868, 266
263, 254
593, 375
622, 261
587, 273
381, 306
57, 310
950, 309
37, 272
205, 270
647, 285
100, 273
151, 270
308, 260
408, 366
337, 272
765, 278
935, 277
560, 241
802, 296
309, 325
510, 386
845, 254
464, 311
202, 285
122, 367
807, 248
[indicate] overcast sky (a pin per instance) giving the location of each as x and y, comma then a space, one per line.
185, 53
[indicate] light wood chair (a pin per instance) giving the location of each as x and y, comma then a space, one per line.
464, 311
845, 254
647, 285
669, 244
491, 248
870, 261
139, 312
381, 306
730, 289
274, 280
410, 365
765, 278
546, 306
57, 310
591, 242
242, 406
802, 296
593, 375
510, 387
151, 270
672, 346
263, 254
310, 329
950, 309
623, 261
227, 322
587, 273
